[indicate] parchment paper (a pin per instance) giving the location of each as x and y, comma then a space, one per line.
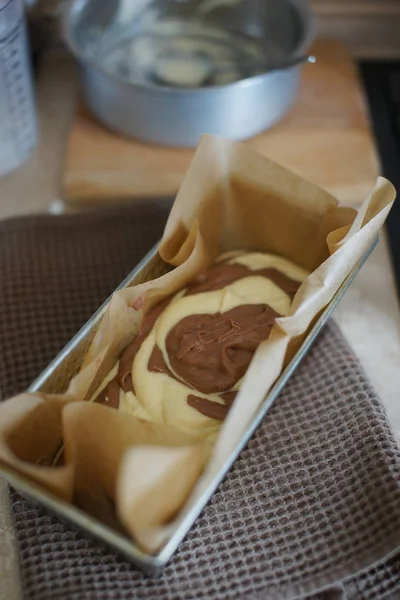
231, 198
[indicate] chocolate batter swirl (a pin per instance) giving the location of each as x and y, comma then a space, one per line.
212, 352
221, 275
209, 353
123, 380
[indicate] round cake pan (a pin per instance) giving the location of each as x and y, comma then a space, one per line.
178, 117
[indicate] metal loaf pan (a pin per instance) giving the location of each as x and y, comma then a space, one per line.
55, 378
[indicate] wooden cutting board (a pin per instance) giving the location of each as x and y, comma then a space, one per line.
326, 138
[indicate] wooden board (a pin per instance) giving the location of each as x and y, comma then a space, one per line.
326, 138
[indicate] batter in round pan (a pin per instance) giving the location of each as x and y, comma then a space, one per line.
186, 363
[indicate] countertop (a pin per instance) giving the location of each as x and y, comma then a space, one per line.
368, 315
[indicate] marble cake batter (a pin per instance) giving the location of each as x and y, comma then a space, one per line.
186, 363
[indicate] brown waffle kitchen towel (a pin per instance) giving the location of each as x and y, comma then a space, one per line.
313, 499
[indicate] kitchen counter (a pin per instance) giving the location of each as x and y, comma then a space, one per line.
368, 315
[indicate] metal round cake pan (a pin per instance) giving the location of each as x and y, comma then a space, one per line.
178, 116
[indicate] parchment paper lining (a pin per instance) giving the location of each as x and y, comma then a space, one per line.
231, 198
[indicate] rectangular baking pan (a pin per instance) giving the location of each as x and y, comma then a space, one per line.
55, 378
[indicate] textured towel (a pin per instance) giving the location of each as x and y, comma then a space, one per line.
313, 499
